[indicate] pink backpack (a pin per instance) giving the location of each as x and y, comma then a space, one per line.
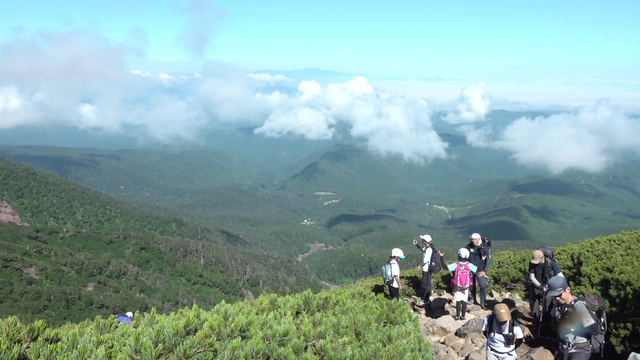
462, 277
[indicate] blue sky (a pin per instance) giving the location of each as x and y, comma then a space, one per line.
173, 70
485, 41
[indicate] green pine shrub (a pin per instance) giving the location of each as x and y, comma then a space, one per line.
347, 323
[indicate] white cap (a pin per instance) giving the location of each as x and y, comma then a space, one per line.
397, 253
129, 314
426, 238
475, 236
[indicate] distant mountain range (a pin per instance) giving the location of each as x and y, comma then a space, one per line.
357, 204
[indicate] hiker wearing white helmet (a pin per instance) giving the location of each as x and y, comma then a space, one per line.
480, 257
432, 262
461, 281
396, 285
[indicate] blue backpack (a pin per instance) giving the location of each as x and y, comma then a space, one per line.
387, 275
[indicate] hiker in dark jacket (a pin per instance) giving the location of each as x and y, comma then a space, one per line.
479, 256
576, 324
541, 269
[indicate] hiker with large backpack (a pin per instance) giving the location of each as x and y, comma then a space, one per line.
582, 321
542, 267
432, 262
504, 334
394, 283
480, 256
461, 281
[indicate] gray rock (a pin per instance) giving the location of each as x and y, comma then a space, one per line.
480, 354
434, 328
451, 339
437, 347
457, 346
634, 356
472, 326
466, 350
538, 353
475, 339
448, 323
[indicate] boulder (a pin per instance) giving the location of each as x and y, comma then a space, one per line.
457, 346
517, 300
472, 326
435, 328
452, 339
475, 339
634, 356
480, 354
466, 350
437, 347
538, 353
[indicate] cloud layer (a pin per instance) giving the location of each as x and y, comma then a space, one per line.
78, 78
588, 140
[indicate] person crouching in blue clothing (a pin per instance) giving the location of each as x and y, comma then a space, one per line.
126, 319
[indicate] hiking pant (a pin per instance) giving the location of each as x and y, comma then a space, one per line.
426, 286
493, 356
535, 298
482, 283
578, 355
394, 293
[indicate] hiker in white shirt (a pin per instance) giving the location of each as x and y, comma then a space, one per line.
504, 334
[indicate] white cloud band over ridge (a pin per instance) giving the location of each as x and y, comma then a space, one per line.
77, 78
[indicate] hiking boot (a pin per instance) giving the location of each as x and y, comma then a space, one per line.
483, 307
463, 318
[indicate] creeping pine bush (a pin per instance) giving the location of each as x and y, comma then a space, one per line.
347, 323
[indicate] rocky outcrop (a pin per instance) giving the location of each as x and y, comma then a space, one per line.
463, 339
9, 215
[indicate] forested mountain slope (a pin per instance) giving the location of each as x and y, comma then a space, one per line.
84, 254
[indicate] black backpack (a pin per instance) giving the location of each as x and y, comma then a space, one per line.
435, 263
597, 307
547, 251
509, 338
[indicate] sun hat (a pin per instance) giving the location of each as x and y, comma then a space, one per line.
537, 256
426, 238
129, 314
557, 285
502, 312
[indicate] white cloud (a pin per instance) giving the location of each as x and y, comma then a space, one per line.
471, 106
390, 125
588, 140
311, 124
267, 79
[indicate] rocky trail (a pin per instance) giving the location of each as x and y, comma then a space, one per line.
463, 339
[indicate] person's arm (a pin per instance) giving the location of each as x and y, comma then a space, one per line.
487, 260
556, 268
517, 331
532, 275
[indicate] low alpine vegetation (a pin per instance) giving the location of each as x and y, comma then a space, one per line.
348, 323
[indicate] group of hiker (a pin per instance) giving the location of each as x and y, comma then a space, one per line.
579, 321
